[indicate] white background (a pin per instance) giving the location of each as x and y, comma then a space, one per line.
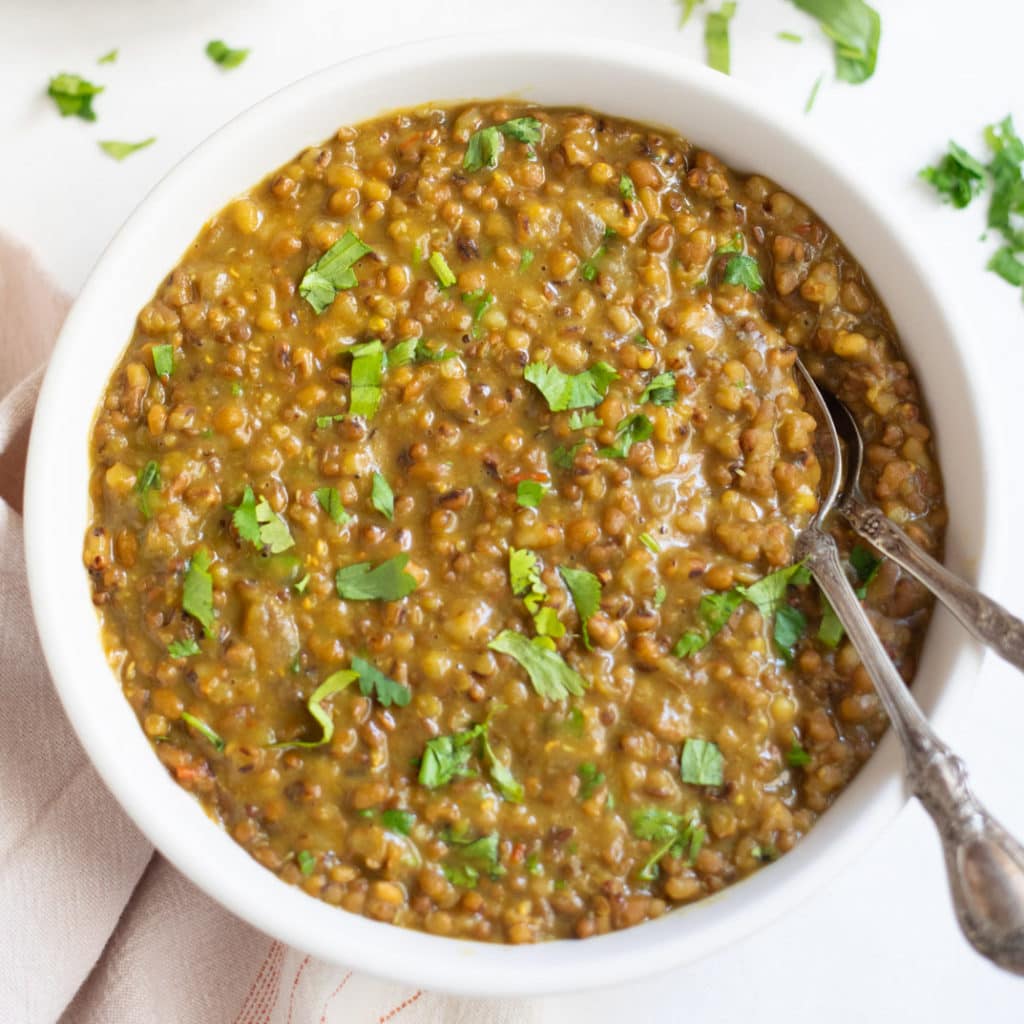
881, 943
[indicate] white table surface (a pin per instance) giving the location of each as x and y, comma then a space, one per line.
881, 943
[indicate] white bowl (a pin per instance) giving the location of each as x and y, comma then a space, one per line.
607, 76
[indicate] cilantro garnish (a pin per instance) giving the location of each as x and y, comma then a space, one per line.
830, 629
227, 57
789, 37
551, 677
866, 565
445, 275
300, 585
398, 820
564, 457
333, 272
334, 683
382, 497
259, 524
120, 150
570, 390
416, 350
529, 493
588, 268
182, 648
108, 58
796, 756
330, 502
682, 836
650, 543
580, 420
633, 428
661, 390
485, 146
204, 730
323, 422
365, 581
813, 94
591, 779
306, 862
743, 269
479, 301
856, 30
626, 187
585, 589
163, 360
447, 757
716, 37
1007, 266
525, 259
73, 95
197, 590
367, 369
148, 480
701, 763
373, 682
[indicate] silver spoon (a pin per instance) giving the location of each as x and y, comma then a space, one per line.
984, 862
986, 620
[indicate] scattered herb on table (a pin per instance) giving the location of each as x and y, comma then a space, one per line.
108, 58
74, 95
716, 37
120, 150
856, 30
813, 95
226, 56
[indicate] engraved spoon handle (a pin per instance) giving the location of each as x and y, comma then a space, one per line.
988, 621
984, 862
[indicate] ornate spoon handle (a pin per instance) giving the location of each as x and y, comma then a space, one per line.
984, 862
988, 621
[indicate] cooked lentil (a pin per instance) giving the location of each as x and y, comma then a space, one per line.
603, 242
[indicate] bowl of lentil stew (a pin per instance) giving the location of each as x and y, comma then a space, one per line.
571, 817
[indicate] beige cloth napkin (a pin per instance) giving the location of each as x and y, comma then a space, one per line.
96, 927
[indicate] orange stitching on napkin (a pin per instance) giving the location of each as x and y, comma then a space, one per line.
330, 998
400, 1007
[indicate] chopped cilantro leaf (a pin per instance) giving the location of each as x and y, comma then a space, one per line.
447, 757
530, 492
686, 9
813, 94
479, 301
508, 785
333, 272
585, 589
1007, 266
163, 360
197, 590
701, 763
661, 390
796, 756
659, 596
789, 37
398, 820
323, 422
334, 683
73, 95
382, 497
626, 187
957, 177
570, 390
866, 565
182, 648
580, 420
259, 524
830, 630
588, 268
856, 30
742, 269
120, 150
671, 832
483, 149
367, 368
364, 581
373, 682
227, 57
300, 585
551, 677
445, 276
330, 502
716, 37
564, 458
630, 430
204, 730
525, 259
306, 862
148, 480
591, 779
689, 643
108, 58
769, 592
790, 625
523, 129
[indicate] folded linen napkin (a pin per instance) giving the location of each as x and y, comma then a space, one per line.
98, 928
